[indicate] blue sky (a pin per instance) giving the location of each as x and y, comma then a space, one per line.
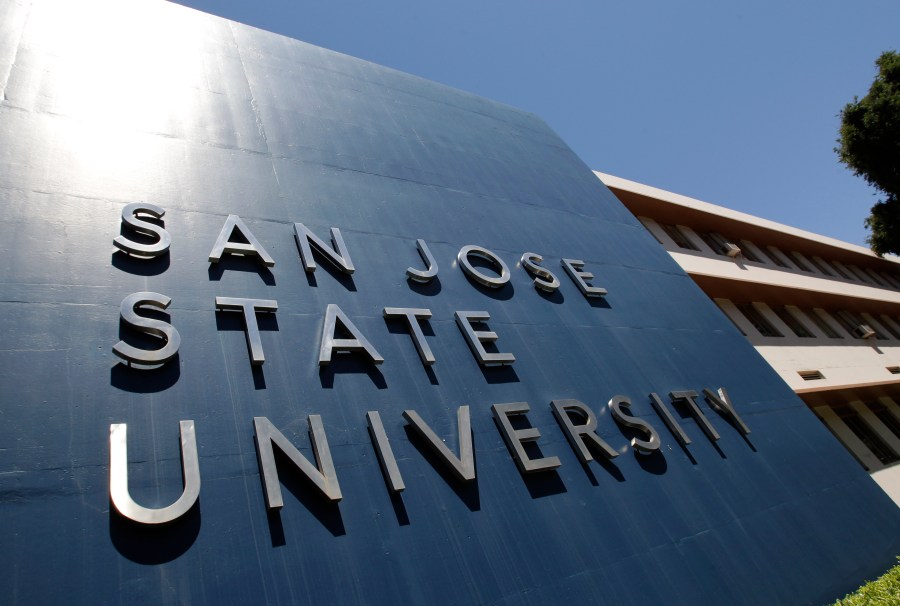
731, 103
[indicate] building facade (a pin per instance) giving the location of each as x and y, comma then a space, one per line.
282, 326
823, 313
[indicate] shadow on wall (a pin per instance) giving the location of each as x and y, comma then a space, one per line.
155, 544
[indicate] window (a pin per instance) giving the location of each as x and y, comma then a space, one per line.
772, 253
852, 323
859, 274
717, 242
748, 253
891, 278
758, 320
741, 330
793, 323
821, 265
799, 262
890, 326
811, 375
678, 236
885, 416
878, 279
842, 271
823, 325
647, 223
867, 435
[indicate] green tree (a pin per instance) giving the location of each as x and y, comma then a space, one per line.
870, 147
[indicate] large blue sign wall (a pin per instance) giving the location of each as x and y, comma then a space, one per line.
106, 104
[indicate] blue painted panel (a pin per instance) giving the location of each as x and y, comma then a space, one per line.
110, 103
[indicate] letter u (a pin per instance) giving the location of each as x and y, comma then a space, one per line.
118, 478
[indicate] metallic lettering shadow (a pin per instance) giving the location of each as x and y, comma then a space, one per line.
555, 296
235, 262
344, 279
140, 266
598, 302
139, 380
145, 380
682, 409
466, 491
328, 513
399, 508
429, 289
397, 326
684, 447
654, 462
156, 544
348, 363
736, 426
504, 293
608, 465
499, 374
539, 484
235, 322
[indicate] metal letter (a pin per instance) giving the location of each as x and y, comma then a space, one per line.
577, 434
475, 338
385, 453
514, 438
723, 403
472, 272
118, 477
413, 316
130, 218
669, 419
322, 474
689, 397
619, 406
417, 275
249, 307
338, 256
224, 245
463, 467
573, 268
543, 277
158, 328
330, 343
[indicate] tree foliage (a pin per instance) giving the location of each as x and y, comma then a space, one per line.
870, 147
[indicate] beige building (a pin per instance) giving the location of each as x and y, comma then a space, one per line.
823, 313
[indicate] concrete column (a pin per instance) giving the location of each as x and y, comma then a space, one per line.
834, 324
828, 266
876, 324
859, 274
877, 278
890, 279
659, 233
774, 320
803, 319
809, 264
735, 315
696, 240
891, 405
747, 245
889, 322
844, 269
781, 257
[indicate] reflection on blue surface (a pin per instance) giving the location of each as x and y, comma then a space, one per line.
106, 104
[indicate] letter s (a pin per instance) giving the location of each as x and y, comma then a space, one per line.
130, 218
158, 328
